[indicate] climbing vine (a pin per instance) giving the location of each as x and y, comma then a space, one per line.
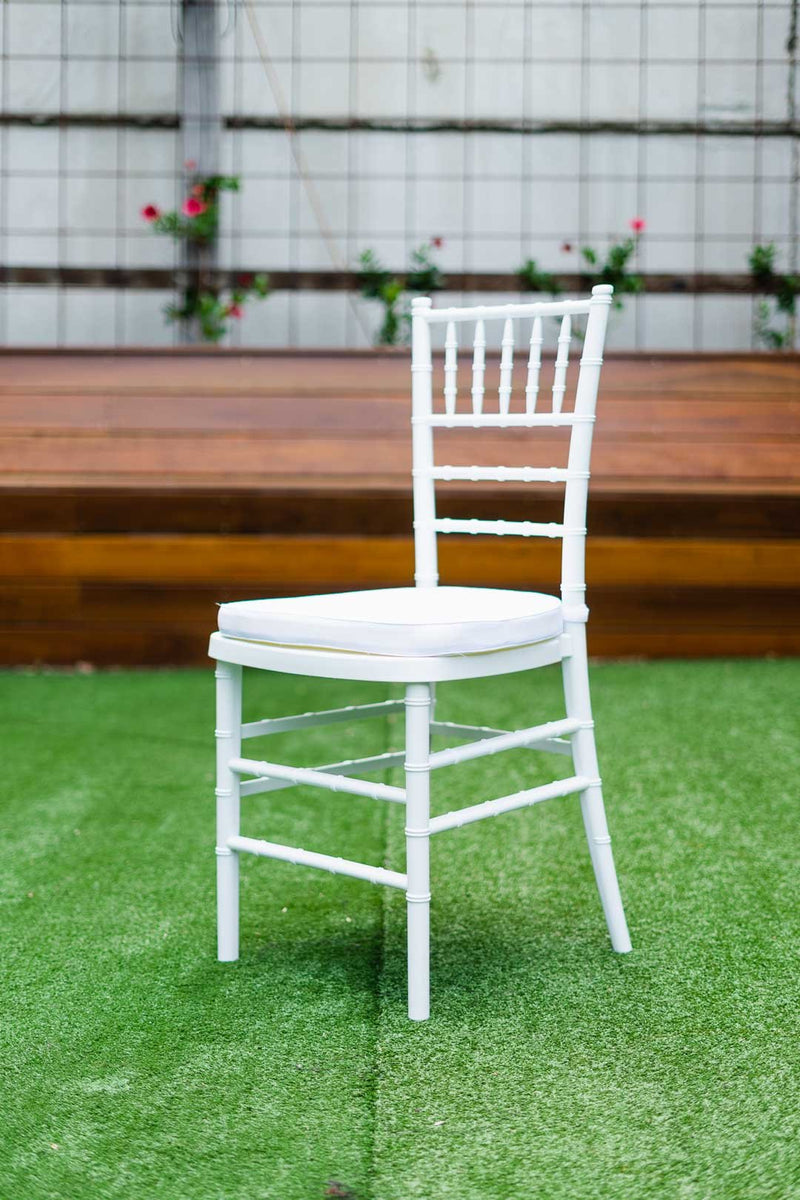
614, 267
774, 319
197, 222
392, 290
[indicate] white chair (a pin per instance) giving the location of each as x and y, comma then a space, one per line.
423, 635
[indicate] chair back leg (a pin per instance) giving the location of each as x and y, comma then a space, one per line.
584, 754
228, 734
418, 896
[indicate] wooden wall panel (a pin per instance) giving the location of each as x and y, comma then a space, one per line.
138, 489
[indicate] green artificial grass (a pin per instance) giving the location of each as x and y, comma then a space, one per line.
135, 1066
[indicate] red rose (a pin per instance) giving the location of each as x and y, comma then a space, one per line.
566, 247
190, 165
192, 207
198, 189
638, 224
437, 243
150, 212
234, 310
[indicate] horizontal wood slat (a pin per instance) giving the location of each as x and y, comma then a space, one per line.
363, 373
96, 459
285, 561
682, 415
365, 512
187, 606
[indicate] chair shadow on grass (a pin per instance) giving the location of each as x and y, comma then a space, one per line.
490, 963
497, 958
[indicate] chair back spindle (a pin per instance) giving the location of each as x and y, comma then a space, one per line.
450, 368
579, 421
534, 366
562, 362
478, 367
506, 366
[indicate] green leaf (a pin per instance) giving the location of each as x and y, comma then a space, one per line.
761, 261
425, 275
536, 280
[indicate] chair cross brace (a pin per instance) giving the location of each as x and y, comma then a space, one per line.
336, 777
517, 739
324, 862
317, 778
552, 745
349, 766
493, 808
331, 716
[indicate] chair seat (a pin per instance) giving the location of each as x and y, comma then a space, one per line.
402, 622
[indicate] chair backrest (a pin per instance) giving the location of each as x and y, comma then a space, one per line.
485, 414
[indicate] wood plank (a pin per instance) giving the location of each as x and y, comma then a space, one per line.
375, 414
267, 561
336, 461
29, 604
367, 513
230, 371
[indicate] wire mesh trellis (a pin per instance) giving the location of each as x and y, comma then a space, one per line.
509, 129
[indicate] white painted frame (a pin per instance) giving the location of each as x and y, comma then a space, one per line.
573, 735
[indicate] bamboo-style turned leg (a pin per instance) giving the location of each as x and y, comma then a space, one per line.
584, 755
418, 713
228, 734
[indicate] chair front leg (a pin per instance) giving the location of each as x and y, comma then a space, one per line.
228, 734
418, 896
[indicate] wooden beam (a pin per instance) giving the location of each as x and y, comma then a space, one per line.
152, 278
640, 128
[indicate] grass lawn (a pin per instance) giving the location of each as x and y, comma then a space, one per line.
136, 1067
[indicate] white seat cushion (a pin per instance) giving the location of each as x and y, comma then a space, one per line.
407, 622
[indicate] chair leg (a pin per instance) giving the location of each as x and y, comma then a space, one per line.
584, 754
228, 734
418, 897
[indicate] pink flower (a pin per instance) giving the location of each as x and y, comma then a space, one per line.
192, 207
234, 310
437, 242
190, 165
150, 212
638, 224
198, 189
